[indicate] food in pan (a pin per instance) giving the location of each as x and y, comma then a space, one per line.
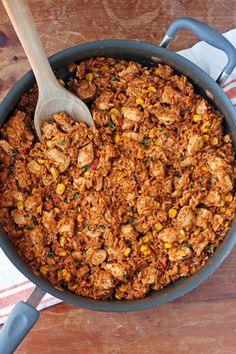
129, 206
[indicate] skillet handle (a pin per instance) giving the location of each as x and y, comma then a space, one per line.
210, 36
20, 321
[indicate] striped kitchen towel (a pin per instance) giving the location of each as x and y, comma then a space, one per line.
13, 285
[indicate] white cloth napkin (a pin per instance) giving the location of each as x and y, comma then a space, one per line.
13, 285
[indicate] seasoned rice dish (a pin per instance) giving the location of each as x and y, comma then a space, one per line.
130, 205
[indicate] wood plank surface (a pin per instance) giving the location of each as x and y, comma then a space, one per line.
202, 322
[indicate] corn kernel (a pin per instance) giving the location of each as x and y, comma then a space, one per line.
54, 172
222, 210
64, 272
127, 251
115, 111
143, 248
159, 226
39, 209
147, 252
167, 279
57, 211
20, 205
229, 198
61, 82
158, 71
87, 173
34, 190
62, 253
175, 193
227, 138
62, 241
182, 232
140, 155
152, 89
139, 100
153, 133
117, 138
145, 239
74, 287
157, 204
59, 274
117, 296
197, 118
205, 127
67, 277
229, 213
80, 218
60, 189
168, 245
172, 213
123, 288
120, 176
197, 231
50, 144
214, 141
89, 77
120, 96
206, 137
72, 67
41, 161
44, 270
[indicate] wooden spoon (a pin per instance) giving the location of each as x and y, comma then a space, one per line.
52, 98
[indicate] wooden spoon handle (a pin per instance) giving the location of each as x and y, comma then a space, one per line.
23, 23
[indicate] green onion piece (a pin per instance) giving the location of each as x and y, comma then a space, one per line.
89, 227
111, 124
85, 167
145, 140
76, 195
189, 245
132, 219
113, 78
28, 227
14, 153
103, 227
50, 254
211, 247
11, 169
145, 161
35, 221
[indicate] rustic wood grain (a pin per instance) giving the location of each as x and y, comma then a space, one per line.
202, 322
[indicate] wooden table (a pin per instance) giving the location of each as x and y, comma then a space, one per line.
202, 322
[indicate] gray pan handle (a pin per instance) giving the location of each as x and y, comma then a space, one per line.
20, 321
208, 35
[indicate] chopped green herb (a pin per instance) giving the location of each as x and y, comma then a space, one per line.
76, 195
51, 254
164, 133
133, 208
105, 246
111, 124
103, 227
35, 221
28, 227
145, 140
125, 276
145, 161
134, 228
62, 142
177, 174
182, 158
89, 227
113, 78
14, 153
211, 247
85, 167
132, 219
189, 245
11, 169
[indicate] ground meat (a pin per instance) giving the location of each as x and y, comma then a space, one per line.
129, 205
